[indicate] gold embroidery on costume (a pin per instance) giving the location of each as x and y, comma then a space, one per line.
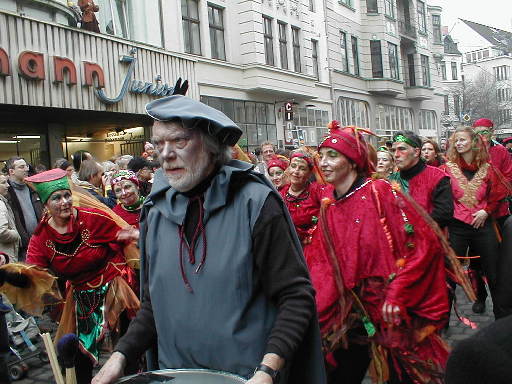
84, 235
469, 187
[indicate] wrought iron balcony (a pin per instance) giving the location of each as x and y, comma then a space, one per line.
407, 29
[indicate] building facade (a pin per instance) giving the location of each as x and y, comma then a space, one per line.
451, 77
370, 63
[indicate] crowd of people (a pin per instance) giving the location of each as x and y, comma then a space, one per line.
317, 265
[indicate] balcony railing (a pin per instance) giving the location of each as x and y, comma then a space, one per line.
407, 29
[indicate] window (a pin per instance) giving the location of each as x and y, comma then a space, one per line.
436, 28
190, 18
393, 61
312, 5
283, 45
376, 54
412, 70
468, 57
443, 70
456, 105
371, 6
296, 48
389, 8
355, 55
446, 105
344, 52
502, 72
454, 71
425, 70
391, 118
314, 57
216, 32
268, 41
348, 3
312, 122
428, 122
353, 112
422, 21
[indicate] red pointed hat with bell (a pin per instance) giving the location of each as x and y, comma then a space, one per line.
349, 142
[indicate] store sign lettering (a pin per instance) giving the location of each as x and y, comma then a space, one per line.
31, 65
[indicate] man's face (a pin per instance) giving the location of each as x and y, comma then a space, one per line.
182, 153
485, 132
19, 171
145, 174
3, 185
335, 166
406, 156
267, 151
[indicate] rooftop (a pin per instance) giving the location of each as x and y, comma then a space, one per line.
499, 38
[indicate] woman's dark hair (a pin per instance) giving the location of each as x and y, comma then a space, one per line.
137, 163
78, 157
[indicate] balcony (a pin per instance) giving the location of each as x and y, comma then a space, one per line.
407, 30
385, 87
419, 93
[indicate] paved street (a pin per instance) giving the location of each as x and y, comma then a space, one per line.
41, 373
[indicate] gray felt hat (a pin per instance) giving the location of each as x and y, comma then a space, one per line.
195, 114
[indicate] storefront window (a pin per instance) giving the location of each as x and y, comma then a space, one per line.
257, 120
353, 112
391, 119
31, 147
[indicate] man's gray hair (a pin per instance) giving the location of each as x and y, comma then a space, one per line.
221, 153
88, 169
122, 161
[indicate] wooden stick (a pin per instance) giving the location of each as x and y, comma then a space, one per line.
54, 363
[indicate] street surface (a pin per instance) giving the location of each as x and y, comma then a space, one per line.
41, 373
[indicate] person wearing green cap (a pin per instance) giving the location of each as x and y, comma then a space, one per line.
83, 246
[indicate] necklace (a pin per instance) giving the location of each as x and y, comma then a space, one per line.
355, 190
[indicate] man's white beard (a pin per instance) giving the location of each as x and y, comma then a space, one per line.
194, 174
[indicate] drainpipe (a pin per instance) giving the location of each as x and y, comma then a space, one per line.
329, 68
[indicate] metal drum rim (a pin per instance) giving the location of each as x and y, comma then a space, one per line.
240, 379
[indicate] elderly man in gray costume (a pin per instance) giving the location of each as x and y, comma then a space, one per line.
225, 285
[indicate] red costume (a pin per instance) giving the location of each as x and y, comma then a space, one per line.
372, 247
131, 217
304, 208
91, 259
501, 159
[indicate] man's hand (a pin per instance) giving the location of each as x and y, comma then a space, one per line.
479, 218
391, 313
112, 370
260, 378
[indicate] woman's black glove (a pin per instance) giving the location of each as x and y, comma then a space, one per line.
14, 278
180, 89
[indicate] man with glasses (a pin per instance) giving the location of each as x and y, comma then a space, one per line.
25, 203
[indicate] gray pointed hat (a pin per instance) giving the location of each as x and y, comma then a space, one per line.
193, 114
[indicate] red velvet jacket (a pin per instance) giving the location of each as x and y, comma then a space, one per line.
304, 208
501, 159
88, 256
422, 186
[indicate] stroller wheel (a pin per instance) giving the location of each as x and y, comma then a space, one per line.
16, 372
43, 357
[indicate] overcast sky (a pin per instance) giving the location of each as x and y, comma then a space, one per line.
494, 13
